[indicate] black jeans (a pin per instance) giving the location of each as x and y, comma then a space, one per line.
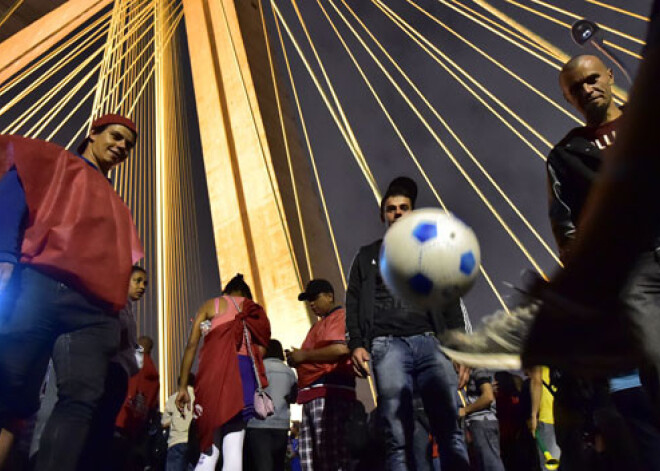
265, 449
97, 452
35, 311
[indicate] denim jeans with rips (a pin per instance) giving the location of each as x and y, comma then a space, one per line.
404, 364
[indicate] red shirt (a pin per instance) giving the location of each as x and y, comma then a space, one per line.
327, 331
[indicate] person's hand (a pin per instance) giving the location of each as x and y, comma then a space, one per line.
532, 424
6, 269
463, 375
461, 412
182, 401
360, 358
295, 356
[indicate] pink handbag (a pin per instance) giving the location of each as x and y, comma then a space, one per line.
263, 404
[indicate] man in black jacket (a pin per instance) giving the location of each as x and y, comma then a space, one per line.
399, 341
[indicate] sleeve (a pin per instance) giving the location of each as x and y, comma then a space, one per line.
336, 329
354, 334
561, 216
12, 217
481, 377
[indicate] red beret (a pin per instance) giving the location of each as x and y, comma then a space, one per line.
108, 119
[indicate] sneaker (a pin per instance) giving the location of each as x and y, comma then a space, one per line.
498, 343
551, 330
582, 339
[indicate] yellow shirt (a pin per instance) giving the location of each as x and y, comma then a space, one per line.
545, 409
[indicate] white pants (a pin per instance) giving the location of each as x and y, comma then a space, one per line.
232, 452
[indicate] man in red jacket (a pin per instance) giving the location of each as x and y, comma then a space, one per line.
67, 245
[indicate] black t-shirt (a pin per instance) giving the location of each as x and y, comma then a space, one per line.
393, 316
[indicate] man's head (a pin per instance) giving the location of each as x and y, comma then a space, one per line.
147, 343
109, 141
320, 295
238, 287
398, 200
587, 85
274, 350
138, 283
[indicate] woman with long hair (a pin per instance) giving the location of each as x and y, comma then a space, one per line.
226, 381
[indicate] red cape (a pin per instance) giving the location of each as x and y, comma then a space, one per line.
79, 231
146, 382
218, 388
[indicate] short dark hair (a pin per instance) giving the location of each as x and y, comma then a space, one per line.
136, 268
274, 350
237, 283
400, 186
83, 145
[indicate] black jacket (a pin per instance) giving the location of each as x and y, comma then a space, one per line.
360, 296
573, 166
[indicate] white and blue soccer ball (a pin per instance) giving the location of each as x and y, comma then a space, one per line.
429, 258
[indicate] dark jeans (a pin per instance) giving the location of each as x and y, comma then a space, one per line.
484, 446
635, 407
97, 452
37, 310
422, 446
177, 458
642, 303
398, 364
265, 449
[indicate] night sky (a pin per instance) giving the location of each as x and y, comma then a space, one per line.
513, 165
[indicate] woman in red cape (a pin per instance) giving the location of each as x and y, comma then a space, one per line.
226, 382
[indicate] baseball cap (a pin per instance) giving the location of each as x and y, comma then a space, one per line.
314, 288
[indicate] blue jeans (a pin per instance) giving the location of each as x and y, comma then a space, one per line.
36, 311
401, 364
485, 446
177, 458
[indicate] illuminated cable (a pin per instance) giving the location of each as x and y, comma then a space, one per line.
578, 17
447, 151
417, 37
285, 139
340, 109
365, 171
6, 15
619, 10
463, 146
568, 26
310, 151
497, 63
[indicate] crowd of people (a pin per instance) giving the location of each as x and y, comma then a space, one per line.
78, 386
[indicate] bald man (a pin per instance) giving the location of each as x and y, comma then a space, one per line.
573, 166
574, 163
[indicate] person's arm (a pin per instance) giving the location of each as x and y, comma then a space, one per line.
483, 402
559, 211
535, 391
12, 219
328, 354
183, 398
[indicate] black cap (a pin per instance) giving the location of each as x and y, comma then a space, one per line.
314, 288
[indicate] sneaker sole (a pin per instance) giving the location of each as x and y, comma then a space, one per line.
493, 361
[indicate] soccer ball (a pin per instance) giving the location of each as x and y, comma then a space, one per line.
429, 258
